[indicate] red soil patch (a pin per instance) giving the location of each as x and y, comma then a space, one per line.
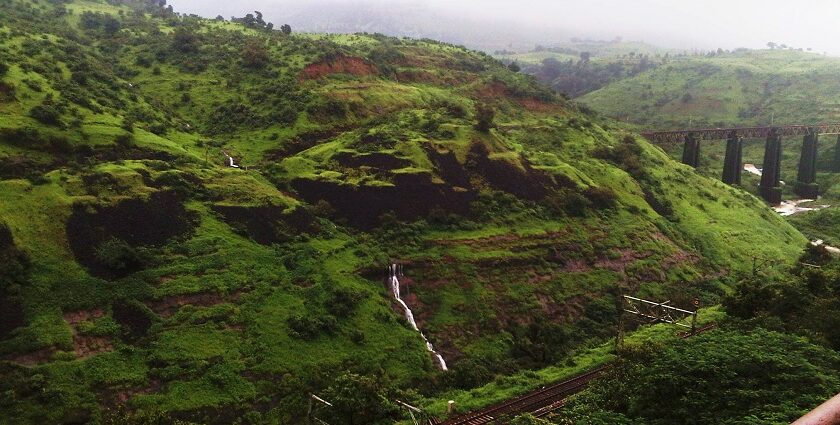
340, 65
85, 345
119, 397
168, 306
576, 266
492, 91
34, 358
534, 105
619, 264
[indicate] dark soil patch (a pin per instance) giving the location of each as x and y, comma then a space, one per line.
339, 65
11, 315
134, 317
137, 222
269, 224
303, 142
14, 271
86, 345
527, 184
170, 305
7, 92
448, 167
379, 161
34, 358
413, 197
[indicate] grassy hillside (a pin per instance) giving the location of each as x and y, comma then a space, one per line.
741, 88
149, 280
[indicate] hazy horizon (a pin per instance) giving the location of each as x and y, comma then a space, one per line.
682, 25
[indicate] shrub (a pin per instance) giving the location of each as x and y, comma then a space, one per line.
601, 198
4, 68
484, 115
255, 54
118, 256
310, 327
125, 141
47, 113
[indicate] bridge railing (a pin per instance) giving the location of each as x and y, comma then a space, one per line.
672, 136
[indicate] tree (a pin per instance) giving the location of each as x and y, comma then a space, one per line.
514, 67
356, 400
286, 29
586, 56
185, 41
255, 54
771, 45
484, 115
110, 25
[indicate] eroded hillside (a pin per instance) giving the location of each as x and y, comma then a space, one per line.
149, 277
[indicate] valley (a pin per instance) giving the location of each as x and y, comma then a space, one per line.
212, 221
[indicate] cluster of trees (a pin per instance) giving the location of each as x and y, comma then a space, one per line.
807, 302
773, 46
779, 377
255, 20
576, 78
95, 21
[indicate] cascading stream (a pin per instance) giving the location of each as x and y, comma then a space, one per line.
394, 272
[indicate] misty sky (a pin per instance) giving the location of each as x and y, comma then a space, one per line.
683, 24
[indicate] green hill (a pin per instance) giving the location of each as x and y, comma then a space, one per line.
145, 279
741, 88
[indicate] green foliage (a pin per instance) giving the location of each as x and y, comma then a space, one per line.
484, 116
48, 112
118, 256
358, 400
807, 302
779, 377
255, 54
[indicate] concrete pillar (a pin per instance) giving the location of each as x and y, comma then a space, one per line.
806, 182
836, 164
733, 163
691, 151
770, 188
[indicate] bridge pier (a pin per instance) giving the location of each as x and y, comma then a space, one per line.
733, 163
770, 187
806, 182
691, 151
836, 164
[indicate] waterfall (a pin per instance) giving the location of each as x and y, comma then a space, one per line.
394, 271
230, 160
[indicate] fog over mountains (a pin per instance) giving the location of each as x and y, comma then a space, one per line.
497, 24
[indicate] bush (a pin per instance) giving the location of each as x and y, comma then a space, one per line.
255, 54
4, 68
484, 115
601, 198
310, 327
118, 256
342, 302
47, 113
125, 141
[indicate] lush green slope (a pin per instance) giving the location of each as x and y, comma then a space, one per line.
740, 88
147, 278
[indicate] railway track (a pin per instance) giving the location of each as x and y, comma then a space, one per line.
544, 400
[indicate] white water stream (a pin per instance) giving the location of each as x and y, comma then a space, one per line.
394, 272
230, 160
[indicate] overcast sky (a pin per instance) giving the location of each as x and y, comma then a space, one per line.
684, 24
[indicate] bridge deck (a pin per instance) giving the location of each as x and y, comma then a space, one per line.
746, 132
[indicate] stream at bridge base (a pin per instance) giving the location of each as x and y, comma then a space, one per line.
394, 272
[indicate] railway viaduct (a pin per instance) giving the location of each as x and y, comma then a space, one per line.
770, 187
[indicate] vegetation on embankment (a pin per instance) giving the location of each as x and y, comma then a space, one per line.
773, 359
154, 282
